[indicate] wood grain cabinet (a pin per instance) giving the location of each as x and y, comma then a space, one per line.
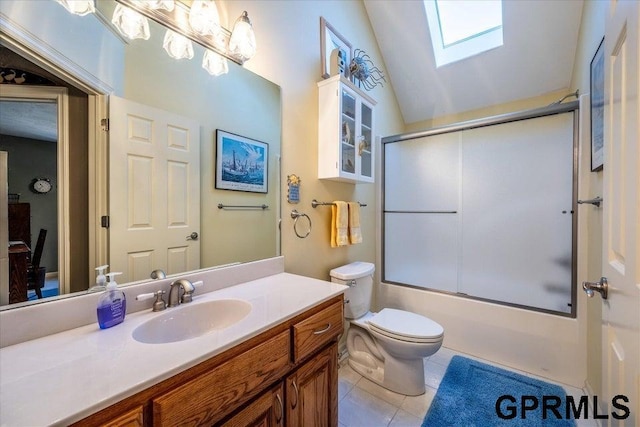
286, 376
265, 411
312, 391
132, 418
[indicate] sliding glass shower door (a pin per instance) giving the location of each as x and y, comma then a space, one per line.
484, 212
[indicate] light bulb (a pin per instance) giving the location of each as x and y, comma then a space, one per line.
167, 5
78, 7
214, 63
177, 46
204, 18
130, 23
243, 39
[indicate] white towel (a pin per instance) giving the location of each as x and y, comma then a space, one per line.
355, 234
339, 224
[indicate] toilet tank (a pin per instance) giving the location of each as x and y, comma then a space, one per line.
359, 277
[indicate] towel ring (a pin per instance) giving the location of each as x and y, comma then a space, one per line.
296, 216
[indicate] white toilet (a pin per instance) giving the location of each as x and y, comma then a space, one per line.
386, 347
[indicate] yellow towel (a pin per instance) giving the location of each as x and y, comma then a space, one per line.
339, 224
355, 235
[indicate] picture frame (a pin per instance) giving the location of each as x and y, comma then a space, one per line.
242, 164
331, 39
597, 108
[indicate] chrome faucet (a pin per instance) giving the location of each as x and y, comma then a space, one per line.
174, 292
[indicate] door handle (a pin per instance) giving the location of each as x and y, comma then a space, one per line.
601, 287
192, 236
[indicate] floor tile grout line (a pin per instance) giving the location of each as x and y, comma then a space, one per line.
566, 387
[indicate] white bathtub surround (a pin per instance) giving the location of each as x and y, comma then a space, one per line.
543, 344
87, 369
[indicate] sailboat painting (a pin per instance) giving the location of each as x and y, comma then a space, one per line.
241, 163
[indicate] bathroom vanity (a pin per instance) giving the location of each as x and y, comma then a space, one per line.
276, 366
287, 375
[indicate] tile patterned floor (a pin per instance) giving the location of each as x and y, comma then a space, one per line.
363, 403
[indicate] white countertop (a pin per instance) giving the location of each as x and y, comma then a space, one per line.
62, 378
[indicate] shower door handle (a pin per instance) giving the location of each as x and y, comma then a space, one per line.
602, 287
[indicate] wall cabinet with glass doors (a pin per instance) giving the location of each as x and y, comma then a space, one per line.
345, 132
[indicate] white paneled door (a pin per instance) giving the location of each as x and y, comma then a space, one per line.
621, 230
154, 190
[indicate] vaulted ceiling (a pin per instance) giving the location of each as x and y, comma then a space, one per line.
540, 38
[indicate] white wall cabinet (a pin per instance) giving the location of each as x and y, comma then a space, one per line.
345, 132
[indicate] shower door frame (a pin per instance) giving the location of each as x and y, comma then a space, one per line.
552, 109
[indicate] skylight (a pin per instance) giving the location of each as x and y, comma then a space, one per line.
463, 28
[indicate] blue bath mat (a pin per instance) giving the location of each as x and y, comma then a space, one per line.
473, 394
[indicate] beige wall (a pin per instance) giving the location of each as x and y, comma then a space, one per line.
494, 110
288, 36
590, 238
291, 59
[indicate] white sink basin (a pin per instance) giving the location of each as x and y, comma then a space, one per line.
190, 321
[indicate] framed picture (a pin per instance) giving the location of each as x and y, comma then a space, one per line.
597, 109
330, 39
241, 163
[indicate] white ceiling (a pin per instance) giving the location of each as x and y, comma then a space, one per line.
540, 38
34, 120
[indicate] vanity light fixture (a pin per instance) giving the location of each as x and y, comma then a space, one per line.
201, 24
78, 7
243, 39
177, 45
130, 23
215, 64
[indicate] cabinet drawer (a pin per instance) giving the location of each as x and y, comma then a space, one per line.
208, 398
317, 330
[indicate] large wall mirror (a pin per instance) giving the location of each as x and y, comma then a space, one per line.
149, 89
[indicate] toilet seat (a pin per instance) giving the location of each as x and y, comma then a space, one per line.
405, 326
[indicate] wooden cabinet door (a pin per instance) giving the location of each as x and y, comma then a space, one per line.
20, 222
265, 411
312, 391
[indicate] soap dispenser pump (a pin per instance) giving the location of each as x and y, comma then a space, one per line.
101, 280
112, 305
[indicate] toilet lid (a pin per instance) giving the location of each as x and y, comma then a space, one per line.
405, 324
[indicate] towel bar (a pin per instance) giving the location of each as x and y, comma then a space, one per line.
596, 202
263, 207
315, 204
